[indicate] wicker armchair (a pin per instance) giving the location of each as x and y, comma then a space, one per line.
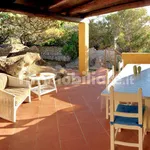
13, 92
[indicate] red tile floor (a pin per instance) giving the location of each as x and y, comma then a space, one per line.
72, 119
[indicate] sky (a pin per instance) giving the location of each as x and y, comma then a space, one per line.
148, 10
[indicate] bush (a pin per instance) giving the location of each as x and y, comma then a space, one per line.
54, 42
71, 46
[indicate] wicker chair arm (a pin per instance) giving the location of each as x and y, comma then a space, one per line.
15, 82
7, 106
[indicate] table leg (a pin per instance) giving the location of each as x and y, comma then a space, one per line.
45, 82
39, 89
107, 107
54, 84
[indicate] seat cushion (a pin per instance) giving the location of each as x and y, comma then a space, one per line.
19, 93
3, 81
127, 120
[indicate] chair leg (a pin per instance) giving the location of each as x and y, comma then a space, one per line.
145, 122
140, 139
119, 130
107, 108
112, 137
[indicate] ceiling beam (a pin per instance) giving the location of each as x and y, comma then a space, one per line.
95, 4
60, 3
36, 12
9, 1
36, 2
64, 5
136, 4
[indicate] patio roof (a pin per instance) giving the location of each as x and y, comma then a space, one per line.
69, 10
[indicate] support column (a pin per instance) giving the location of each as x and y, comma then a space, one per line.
83, 48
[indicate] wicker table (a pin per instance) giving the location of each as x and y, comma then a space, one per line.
46, 87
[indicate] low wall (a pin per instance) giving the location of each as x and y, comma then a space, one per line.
53, 53
136, 58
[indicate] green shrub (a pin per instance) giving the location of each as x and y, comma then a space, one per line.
71, 46
54, 42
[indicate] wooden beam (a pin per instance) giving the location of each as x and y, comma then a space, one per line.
60, 3
95, 4
9, 1
33, 11
41, 3
64, 5
136, 4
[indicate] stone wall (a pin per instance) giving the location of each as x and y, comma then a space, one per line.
96, 59
53, 53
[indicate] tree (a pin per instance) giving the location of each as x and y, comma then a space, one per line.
61, 35
99, 34
129, 28
71, 46
6, 28
33, 30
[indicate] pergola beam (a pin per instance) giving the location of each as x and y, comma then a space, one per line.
69, 10
60, 3
94, 5
36, 12
64, 5
136, 4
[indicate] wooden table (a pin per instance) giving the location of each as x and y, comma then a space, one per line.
126, 81
45, 88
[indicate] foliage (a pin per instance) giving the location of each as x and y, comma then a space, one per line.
99, 34
128, 29
61, 35
53, 42
29, 30
67, 38
39, 31
6, 28
71, 46
32, 30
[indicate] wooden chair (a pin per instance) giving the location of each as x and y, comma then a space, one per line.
120, 65
123, 116
109, 76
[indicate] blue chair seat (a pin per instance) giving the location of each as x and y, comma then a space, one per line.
127, 120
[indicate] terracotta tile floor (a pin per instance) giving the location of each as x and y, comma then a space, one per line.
72, 119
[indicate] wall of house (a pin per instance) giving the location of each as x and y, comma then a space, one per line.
136, 58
